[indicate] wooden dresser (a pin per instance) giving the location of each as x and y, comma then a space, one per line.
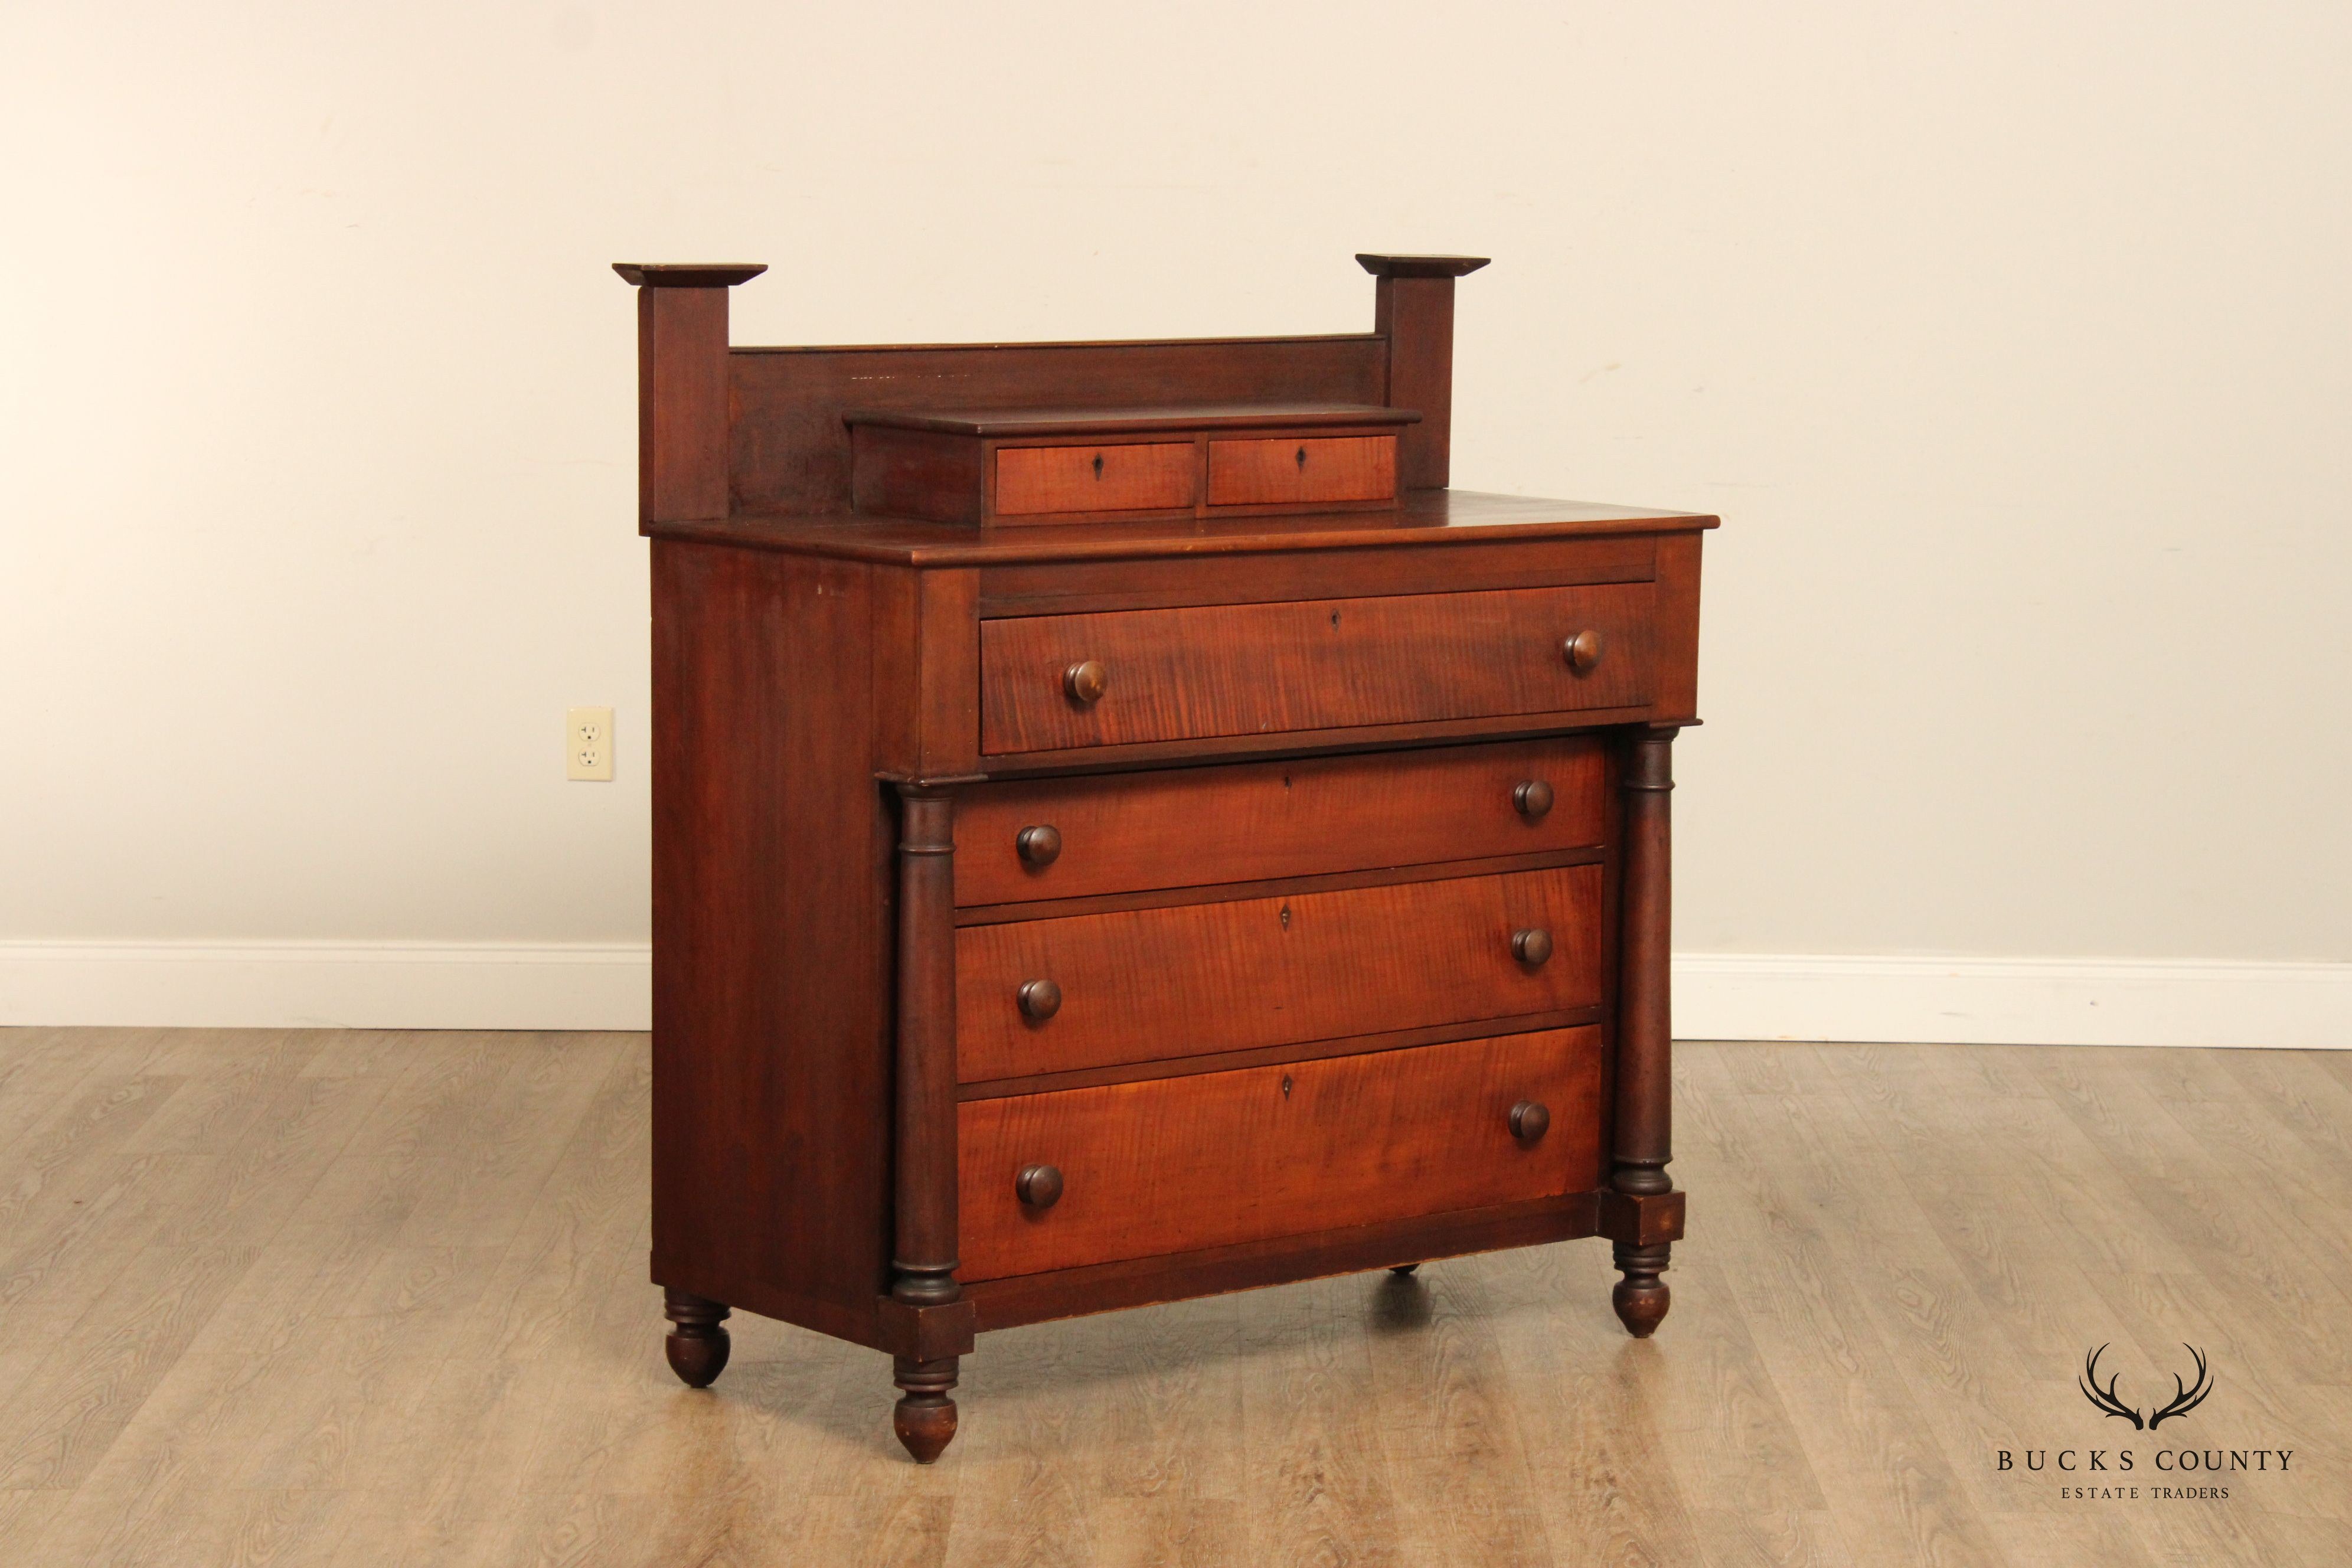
1124, 830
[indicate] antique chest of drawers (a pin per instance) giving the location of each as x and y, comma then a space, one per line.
1124, 830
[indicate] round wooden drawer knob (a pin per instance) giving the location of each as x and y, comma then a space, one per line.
1041, 846
1087, 681
1529, 1122
1040, 999
1582, 651
1040, 1186
1531, 946
1533, 799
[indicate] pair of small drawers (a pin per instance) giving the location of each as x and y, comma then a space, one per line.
1143, 919
1151, 476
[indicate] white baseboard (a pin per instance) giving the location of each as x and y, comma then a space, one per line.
1717, 996
2011, 1001
322, 985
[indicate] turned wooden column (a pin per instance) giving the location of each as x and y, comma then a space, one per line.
923, 1260
1646, 1214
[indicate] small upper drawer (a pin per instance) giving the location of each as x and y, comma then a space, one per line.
1135, 476
1302, 471
1051, 682
1175, 1164
1180, 827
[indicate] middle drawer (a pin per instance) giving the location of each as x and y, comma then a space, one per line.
1137, 985
1018, 841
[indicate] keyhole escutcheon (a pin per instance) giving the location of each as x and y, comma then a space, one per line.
1302, 456
1098, 464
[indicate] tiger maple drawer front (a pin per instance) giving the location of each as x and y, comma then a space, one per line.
1137, 985
1053, 682
1058, 838
1175, 1164
1034, 480
1293, 471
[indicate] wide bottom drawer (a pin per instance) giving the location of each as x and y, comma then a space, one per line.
1174, 1165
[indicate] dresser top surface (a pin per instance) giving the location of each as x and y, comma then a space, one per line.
1420, 517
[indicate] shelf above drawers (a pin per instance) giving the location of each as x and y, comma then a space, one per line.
1041, 466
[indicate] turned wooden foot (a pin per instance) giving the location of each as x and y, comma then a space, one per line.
1405, 1269
1641, 1298
697, 1342
924, 1418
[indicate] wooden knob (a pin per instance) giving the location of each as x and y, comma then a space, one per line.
1531, 946
1085, 681
1040, 999
1040, 1186
1533, 799
1582, 651
1042, 845
1529, 1122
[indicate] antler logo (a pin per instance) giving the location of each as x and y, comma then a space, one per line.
2184, 1399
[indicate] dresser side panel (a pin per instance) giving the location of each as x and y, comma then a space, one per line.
770, 937
1677, 628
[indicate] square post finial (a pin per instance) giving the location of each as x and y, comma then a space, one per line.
1413, 308
682, 435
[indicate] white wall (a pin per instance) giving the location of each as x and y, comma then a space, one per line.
2011, 342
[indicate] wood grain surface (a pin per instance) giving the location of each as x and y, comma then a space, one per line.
1176, 1165
1191, 827
1243, 670
1259, 972
682, 417
1118, 477
772, 954
919, 474
368, 1299
1296, 470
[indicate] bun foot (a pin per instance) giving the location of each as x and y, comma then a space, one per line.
1405, 1269
925, 1417
698, 1345
1641, 1298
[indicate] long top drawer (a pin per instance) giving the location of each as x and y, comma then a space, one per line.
1054, 682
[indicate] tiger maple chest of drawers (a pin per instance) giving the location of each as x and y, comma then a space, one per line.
1125, 829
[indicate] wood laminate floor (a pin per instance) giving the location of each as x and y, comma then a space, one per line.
374, 1299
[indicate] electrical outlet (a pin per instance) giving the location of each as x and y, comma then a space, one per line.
588, 745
